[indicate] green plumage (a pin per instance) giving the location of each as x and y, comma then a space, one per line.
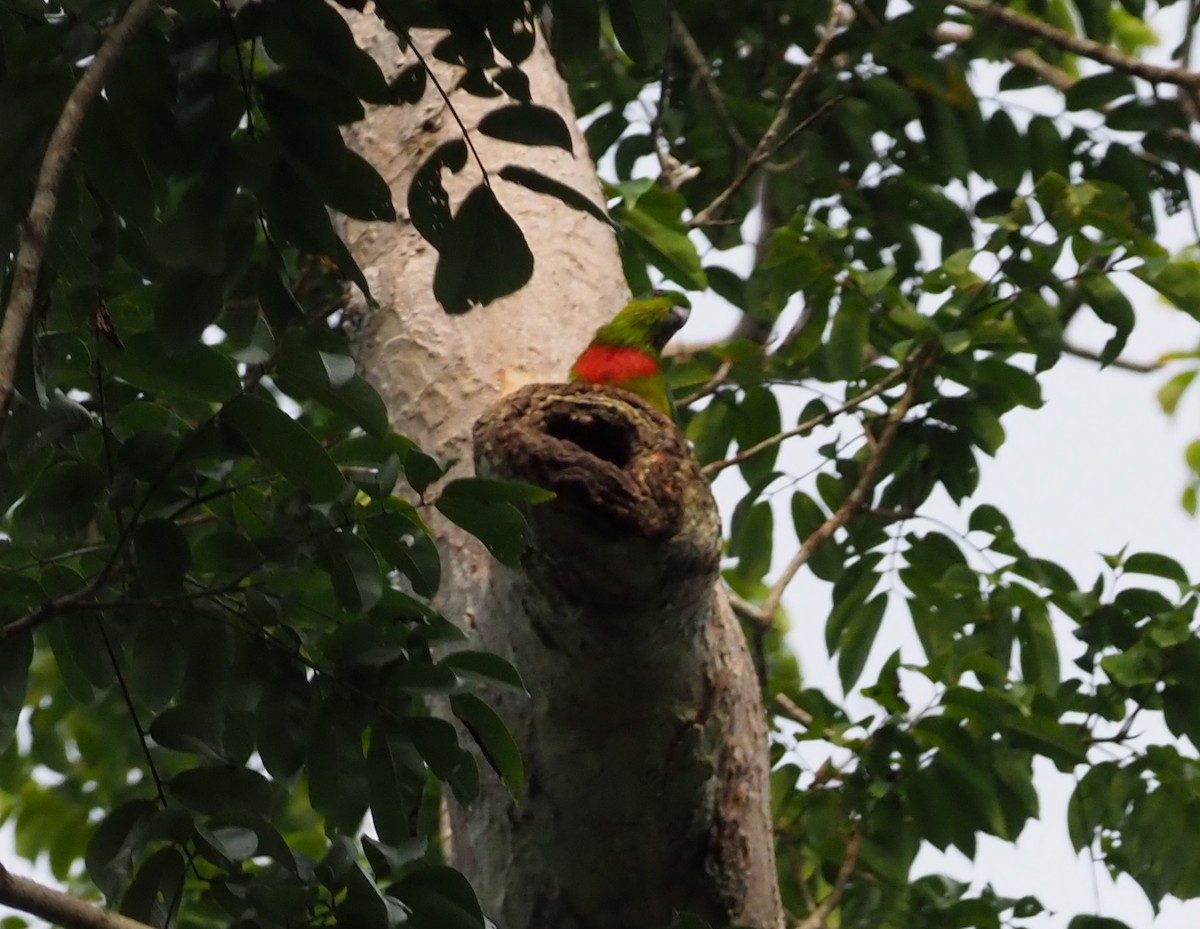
626, 352
646, 322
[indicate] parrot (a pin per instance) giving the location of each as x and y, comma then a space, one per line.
626, 352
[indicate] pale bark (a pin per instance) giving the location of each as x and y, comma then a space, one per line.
644, 740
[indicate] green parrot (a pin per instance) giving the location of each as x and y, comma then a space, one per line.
627, 352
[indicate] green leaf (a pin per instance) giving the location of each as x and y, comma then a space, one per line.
116, 844
1171, 392
492, 737
1047, 151
486, 668
334, 868
527, 124
1039, 651
62, 500
357, 580
15, 657
190, 728
1113, 307
440, 898
576, 32
364, 904
402, 539
331, 380
225, 551
848, 338
216, 789
1094, 91
195, 373
337, 766
1096, 922
285, 444
1158, 566
1004, 154
437, 742
162, 555
485, 509
151, 898
856, 641
642, 29
188, 303
279, 725
758, 419
484, 255
652, 220
227, 845
750, 542
395, 781
973, 419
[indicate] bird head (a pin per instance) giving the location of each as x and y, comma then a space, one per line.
649, 320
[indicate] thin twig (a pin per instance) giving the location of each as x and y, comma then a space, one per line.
80, 601
853, 503
1096, 51
709, 387
383, 14
817, 917
1141, 367
35, 231
961, 34
745, 454
693, 55
58, 908
767, 145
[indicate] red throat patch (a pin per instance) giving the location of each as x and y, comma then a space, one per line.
613, 364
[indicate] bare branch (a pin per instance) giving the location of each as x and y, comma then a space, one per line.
58, 908
709, 387
959, 34
1096, 51
769, 143
874, 390
35, 231
817, 917
1141, 367
695, 57
866, 482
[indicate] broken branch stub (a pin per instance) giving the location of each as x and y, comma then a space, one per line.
634, 523
643, 737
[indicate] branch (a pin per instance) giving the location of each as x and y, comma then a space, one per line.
769, 143
35, 231
817, 917
854, 502
1141, 367
959, 34
711, 386
57, 907
693, 55
1087, 48
392, 23
79, 601
875, 389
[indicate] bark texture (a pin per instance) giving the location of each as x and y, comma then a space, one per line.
645, 738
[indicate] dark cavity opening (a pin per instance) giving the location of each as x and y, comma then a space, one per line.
609, 441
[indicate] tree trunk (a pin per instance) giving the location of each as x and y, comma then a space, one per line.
643, 737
